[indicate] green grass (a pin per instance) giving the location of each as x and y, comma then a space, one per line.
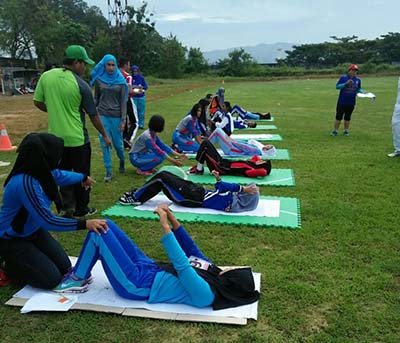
335, 280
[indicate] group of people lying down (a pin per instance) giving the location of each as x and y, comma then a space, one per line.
32, 256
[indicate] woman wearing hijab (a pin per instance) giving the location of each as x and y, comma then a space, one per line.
139, 86
217, 101
111, 95
190, 278
31, 254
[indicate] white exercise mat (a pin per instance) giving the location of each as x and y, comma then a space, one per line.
265, 208
102, 295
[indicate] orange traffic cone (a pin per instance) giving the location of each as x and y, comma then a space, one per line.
5, 143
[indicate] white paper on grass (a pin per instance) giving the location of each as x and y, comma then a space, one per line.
265, 208
101, 293
49, 302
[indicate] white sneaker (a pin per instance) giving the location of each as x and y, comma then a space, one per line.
394, 154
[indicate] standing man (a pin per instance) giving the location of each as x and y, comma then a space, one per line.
66, 97
396, 125
139, 86
131, 124
349, 86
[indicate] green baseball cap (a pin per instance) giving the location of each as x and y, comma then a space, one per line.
78, 52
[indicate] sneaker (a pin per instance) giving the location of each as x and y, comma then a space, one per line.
129, 200
73, 284
394, 154
346, 133
194, 170
129, 193
122, 166
108, 177
89, 212
144, 172
67, 213
334, 133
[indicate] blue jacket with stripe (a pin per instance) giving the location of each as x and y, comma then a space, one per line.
25, 192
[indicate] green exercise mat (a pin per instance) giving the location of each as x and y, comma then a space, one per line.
289, 215
281, 154
262, 137
258, 127
262, 120
277, 177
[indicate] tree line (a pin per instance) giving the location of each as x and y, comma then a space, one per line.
42, 29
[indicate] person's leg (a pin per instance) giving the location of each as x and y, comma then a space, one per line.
107, 123
339, 116
82, 165
140, 105
130, 272
67, 192
146, 162
184, 142
220, 137
117, 141
396, 129
251, 115
27, 263
237, 109
133, 118
347, 118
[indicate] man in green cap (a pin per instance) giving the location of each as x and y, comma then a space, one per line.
65, 96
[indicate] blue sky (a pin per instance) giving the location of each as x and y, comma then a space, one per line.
210, 24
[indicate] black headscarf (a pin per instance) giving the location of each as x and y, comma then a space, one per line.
38, 155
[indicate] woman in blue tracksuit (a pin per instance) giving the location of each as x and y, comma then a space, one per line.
227, 197
187, 135
139, 86
149, 150
190, 279
31, 254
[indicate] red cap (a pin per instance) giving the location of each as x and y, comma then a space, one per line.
353, 67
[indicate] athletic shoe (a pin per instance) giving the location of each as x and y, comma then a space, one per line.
89, 211
334, 133
108, 177
129, 193
129, 200
144, 172
346, 133
194, 170
122, 166
73, 284
394, 154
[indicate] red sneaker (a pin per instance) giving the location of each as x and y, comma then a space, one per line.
194, 170
144, 172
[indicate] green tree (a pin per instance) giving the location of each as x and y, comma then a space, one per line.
196, 62
172, 58
238, 63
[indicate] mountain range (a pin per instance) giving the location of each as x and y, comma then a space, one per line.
262, 53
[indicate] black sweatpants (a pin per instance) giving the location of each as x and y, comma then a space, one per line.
37, 260
133, 121
183, 192
75, 197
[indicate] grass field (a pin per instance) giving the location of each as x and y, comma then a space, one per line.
337, 279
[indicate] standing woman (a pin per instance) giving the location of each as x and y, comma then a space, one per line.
30, 253
139, 86
111, 95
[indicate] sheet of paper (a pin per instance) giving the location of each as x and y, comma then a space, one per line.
371, 96
49, 302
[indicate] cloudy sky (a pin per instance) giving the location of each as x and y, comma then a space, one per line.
211, 24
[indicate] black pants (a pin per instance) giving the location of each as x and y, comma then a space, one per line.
209, 155
75, 197
183, 192
133, 122
344, 110
38, 260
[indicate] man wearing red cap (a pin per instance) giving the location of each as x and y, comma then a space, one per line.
349, 86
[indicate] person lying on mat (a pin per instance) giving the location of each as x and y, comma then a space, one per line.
207, 153
190, 278
239, 123
228, 197
149, 150
187, 135
31, 254
236, 147
244, 114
